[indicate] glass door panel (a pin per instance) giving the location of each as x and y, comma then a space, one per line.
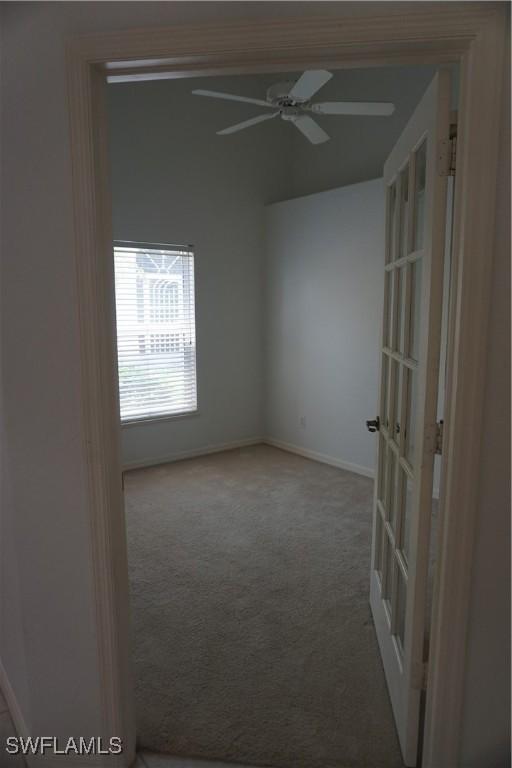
389, 294
395, 494
394, 384
404, 211
382, 478
401, 319
415, 310
377, 562
415, 210
406, 524
397, 411
420, 175
384, 406
411, 415
401, 598
391, 213
389, 561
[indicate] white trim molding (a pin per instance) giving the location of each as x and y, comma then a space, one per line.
323, 458
471, 274
192, 454
12, 704
22, 730
379, 34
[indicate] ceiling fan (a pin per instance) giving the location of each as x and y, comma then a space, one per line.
291, 101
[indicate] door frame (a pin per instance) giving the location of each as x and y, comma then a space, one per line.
380, 34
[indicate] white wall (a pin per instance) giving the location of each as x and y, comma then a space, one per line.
175, 181
48, 646
318, 168
486, 732
48, 641
324, 303
340, 161
12, 642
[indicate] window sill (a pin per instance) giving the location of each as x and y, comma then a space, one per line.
157, 419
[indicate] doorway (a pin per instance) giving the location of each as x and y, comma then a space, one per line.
80, 126
252, 564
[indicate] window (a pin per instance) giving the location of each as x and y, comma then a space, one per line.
156, 339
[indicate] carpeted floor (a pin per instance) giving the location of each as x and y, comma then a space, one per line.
253, 640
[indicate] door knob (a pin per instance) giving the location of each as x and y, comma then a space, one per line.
373, 425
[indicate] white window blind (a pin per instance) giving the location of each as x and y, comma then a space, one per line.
156, 337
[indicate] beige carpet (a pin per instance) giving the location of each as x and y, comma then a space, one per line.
253, 640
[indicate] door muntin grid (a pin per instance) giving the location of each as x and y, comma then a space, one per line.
399, 371
415, 187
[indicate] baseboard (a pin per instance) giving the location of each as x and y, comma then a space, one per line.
196, 452
219, 447
12, 703
49, 760
324, 458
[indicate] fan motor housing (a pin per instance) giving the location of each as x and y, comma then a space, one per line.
290, 113
278, 95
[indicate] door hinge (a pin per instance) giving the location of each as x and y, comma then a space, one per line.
439, 436
447, 155
453, 155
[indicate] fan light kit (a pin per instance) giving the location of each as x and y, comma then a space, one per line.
291, 102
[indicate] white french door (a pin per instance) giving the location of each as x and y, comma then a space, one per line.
415, 176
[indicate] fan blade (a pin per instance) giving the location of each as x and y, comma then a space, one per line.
311, 130
377, 108
246, 124
309, 83
232, 97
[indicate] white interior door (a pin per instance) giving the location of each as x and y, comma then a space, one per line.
415, 177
